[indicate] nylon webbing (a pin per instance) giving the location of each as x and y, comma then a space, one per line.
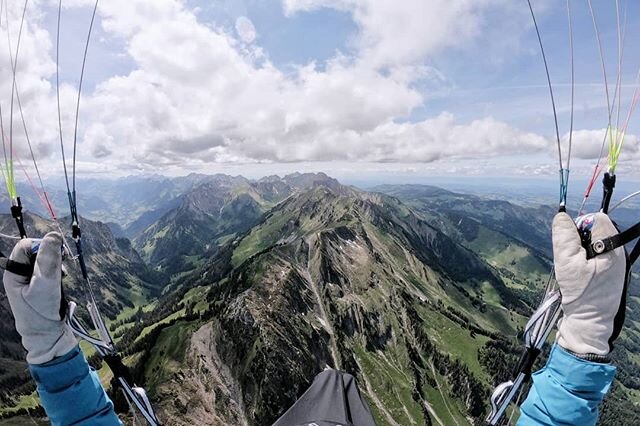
608, 184
16, 213
22, 269
611, 243
635, 253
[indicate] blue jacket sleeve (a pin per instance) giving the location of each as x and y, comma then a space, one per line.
567, 391
71, 393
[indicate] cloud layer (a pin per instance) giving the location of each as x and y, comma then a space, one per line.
200, 93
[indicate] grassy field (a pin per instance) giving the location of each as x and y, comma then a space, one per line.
259, 239
23, 421
451, 338
169, 352
392, 386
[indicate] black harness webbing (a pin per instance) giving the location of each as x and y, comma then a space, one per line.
16, 213
22, 269
635, 253
608, 185
619, 240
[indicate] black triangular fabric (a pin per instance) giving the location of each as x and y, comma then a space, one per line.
332, 399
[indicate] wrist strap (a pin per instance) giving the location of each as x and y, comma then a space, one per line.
22, 269
608, 244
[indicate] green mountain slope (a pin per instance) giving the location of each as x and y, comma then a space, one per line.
213, 212
528, 225
515, 240
338, 278
419, 294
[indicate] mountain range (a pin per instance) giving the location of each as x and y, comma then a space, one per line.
228, 295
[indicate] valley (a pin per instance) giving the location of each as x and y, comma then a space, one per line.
228, 295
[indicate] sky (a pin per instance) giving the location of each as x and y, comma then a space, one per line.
354, 88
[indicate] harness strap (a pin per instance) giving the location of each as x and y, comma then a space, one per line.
16, 213
22, 269
114, 361
606, 245
608, 184
635, 253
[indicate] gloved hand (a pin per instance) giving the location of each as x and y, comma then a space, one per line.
36, 302
593, 291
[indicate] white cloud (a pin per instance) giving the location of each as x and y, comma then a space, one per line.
200, 94
588, 144
245, 29
393, 33
34, 68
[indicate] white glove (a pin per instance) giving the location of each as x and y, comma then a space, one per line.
36, 302
592, 290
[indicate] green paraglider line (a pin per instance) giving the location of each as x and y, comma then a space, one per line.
14, 65
16, 205
615, 136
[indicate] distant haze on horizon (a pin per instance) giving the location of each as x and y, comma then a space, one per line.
524, 190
